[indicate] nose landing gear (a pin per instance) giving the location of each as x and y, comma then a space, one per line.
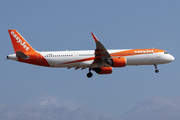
156, 71
89, 75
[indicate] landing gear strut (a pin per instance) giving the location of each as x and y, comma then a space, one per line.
156, 71
89, 75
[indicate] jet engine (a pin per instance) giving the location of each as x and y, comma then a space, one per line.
117, 62
103, 70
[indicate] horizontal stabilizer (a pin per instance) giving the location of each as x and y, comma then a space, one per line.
20, 54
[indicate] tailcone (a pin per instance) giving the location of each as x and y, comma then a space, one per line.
12, 57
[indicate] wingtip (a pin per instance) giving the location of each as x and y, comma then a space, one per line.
95, 39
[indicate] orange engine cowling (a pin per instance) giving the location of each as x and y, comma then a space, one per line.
103, 70
118, 62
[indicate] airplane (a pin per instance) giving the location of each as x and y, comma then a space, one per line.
99, 60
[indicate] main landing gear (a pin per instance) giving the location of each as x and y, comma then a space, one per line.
156, 71
89, 75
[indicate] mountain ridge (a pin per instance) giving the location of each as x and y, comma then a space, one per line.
47, 107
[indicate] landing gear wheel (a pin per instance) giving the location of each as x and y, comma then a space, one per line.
156, 70
89, 75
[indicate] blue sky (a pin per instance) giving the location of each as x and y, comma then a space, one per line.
61, 25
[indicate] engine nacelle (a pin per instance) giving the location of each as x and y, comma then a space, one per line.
117, 62
103, 70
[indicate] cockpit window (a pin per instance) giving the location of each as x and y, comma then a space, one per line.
165, 52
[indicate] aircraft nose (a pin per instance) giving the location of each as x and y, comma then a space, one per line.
171, 58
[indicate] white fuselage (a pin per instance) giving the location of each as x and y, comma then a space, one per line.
80, 58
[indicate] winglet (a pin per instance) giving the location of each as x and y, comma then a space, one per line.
95, 38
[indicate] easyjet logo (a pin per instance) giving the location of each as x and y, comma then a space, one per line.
144, 51
20, 41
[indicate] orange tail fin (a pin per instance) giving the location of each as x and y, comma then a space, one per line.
19, 43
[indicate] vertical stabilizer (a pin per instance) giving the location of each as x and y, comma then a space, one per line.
19, 43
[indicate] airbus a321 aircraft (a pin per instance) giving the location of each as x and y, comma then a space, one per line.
99, 60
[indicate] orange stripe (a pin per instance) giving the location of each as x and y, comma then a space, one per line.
136, 52
82, 60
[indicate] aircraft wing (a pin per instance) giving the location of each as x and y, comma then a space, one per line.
101, 54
